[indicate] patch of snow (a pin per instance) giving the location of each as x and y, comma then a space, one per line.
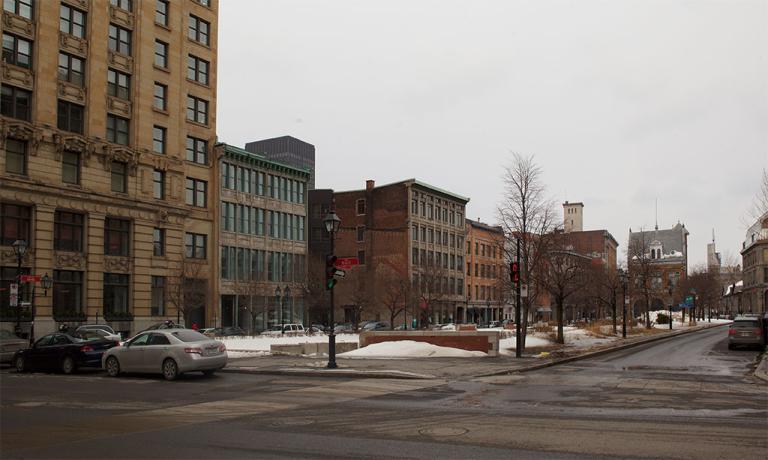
410, 349
530, 341
263, 343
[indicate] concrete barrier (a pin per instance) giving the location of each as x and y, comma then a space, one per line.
485, 341
298, 349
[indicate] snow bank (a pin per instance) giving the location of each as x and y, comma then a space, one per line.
530, 341
262, 343
410, 349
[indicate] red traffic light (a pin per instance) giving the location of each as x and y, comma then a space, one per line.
515, 268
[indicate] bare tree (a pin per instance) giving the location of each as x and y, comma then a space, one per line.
187, 289
760, 202
432, 288
706, 287
642, 272
525, 213
397, 293
604, 287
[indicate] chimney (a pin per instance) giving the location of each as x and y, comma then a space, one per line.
369, 184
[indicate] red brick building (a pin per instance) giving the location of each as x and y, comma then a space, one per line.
485, 265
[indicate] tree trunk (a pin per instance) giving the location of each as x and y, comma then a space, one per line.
560, 318
647, 313
613, 313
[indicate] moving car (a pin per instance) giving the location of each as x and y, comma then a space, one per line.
61, 352
10, 343
745, 331
170, 352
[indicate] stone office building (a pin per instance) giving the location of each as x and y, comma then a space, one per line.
754, 253
108, 116
262, 240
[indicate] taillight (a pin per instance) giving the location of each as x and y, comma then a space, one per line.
222, 348
731, 331
199, 351
87, 348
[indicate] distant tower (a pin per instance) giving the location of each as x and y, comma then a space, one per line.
573, 217
714, 260
288, 150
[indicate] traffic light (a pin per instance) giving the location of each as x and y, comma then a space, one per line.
330, 271
515, 267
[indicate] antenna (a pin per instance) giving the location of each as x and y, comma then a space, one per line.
657, 213
713, 235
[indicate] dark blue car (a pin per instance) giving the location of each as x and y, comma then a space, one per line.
61, 352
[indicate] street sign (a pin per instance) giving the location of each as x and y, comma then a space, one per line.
523, 290
14, 294
688, 300
26, 304
29, 278
346, 263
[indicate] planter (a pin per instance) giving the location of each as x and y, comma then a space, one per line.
118, 316
69, 316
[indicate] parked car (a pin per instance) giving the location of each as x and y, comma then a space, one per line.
210, 331
170, 352
61, 352
745, 331
345, 328
376, 326
102, 327
232, 331
494, 324
316, 329
96, 334
448, 327
10, 343
285, 330
168, 324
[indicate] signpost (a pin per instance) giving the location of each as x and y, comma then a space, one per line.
29, 278
346, 263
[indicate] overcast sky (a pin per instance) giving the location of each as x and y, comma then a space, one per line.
621, 102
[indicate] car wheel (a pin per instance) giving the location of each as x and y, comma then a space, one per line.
209, 372
170, 369
68, 365
730, 346
113, 366
21, 366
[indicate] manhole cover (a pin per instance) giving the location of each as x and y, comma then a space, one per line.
443, 431
293, 422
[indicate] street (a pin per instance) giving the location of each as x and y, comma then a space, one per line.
685, 397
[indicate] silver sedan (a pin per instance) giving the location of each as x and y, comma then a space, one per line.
170, 352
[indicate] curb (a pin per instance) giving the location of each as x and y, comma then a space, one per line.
761, 371
308, 372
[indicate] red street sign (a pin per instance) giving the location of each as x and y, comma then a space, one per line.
346, 263
29, 278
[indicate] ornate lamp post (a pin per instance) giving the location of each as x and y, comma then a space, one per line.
287, 295
332, 224
19, 250
279, 299
623, 277
671, 302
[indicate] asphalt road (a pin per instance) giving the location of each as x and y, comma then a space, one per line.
686, 397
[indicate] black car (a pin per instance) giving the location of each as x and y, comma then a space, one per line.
61, 352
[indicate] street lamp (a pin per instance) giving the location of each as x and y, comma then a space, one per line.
332, 224
19, 250
670, 307
279, 307
287, 295
692, 315
623, 277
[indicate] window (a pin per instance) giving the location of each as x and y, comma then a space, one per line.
204, 2
195, 245
118, 84
115, 293
158, 139
14, 223
126, 5
15, 102
158, 292
196, 192
67, 291
197, 110
197, 69
197, 150
161, 12
119, 177
198, 29
161, 54
360, 233
71, 69
15, 156
158, 184
70, 117
415, 233
117, 129
360, 206
158, 242
17, 51
70, 167
68, 231
161, 97
117, 234
119, 39
22, 8
361, 257
72, 21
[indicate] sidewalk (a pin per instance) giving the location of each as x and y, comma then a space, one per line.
429, 368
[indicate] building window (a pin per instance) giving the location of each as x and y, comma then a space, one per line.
117, 129
198, 29
161, 97
204, 2
118, 84
21, 8
161, 54
71, 69
70, 167
158, 184
197, 110
70, 117
195, 245
117, 234
15, 103
119, 176
67, 291
14, 223
197, 150
360, 206
126, 5
360, 233
158, 139
72, 21
119, 39
361, 257
197, 69
15, 156
17, 51
158, 242
68, 231
158, 296
161, 12
196, 192
115, 293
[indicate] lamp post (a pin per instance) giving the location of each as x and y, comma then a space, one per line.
692, 315
487, 310
19, 250
623, 277
278, 293
671, 301
287, 295
332, 223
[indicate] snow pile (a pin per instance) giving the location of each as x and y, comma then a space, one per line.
410, 349
263, 343
531, 341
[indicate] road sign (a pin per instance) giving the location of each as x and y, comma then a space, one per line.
346, 263
523, 290
688, 300
29, 278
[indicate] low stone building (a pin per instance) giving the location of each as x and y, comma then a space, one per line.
754, 254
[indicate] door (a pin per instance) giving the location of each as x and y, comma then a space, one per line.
133, 354
35, 358
154, 352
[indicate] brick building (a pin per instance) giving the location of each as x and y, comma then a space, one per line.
108, 116
410, 232
485, 267
754, 295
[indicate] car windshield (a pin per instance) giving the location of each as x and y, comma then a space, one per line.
188, 335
